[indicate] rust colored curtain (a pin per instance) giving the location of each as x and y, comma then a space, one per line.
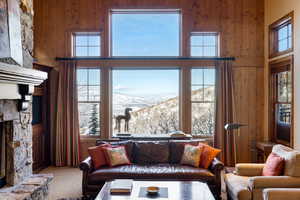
67, 138
225, 112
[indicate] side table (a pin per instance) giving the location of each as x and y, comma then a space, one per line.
263, 150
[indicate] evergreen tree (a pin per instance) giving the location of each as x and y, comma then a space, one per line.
94, 121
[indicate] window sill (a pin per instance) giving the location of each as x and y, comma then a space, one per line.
89, 137
150, 137
161, 137
280, 53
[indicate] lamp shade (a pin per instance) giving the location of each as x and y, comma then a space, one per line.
233, 126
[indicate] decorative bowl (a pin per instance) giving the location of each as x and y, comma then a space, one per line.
152, 190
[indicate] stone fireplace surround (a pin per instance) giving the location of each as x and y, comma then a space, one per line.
18, 139
15, 119
16, 85
17, 81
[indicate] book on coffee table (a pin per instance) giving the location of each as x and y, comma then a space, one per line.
121, 186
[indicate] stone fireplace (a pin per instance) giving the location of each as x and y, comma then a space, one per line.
17, 81
16, 136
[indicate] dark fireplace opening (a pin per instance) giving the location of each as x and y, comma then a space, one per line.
2, 156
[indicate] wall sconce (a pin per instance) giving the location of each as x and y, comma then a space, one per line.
26, 92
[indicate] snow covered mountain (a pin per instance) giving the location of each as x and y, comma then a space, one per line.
156, 114
162, 116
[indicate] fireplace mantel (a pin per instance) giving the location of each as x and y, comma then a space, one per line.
13, 74
18, 82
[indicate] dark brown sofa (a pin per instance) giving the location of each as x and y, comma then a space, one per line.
157, 160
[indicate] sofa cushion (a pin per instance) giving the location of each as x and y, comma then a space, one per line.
127, 143
97, 155
274, 165
191, 155
177, 148
151, 152
281, 193
291, 157
238, 187
116, 156
157, 171
208, 154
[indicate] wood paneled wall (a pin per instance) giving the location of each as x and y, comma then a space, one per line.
240, 23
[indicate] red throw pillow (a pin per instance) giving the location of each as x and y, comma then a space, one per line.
98, 156
274, 165
208, 154
116, 156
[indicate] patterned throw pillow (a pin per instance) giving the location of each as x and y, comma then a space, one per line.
116, 156
274, 165
191, 155
208, 154
97, 155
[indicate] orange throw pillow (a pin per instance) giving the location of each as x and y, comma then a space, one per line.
97, 155
116, 156
274, 165
208, 154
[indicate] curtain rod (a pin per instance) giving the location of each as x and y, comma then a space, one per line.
144, 58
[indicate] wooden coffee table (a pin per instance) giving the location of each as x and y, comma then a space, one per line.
177, 190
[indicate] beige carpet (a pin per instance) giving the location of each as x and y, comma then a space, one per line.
66, 182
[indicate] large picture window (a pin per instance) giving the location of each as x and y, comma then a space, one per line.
203, 101
88, 88
145, 96
145, 101
145, 33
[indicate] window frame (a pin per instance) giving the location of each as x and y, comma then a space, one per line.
85, 33
91, 102
273, 35
217, 45
278, 66
106, 67
143, 11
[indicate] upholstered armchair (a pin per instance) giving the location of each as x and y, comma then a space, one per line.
281, 193
247, 183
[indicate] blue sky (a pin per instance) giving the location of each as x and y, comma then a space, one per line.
145, 34
145, 82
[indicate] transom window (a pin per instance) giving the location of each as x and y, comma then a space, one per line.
285, 37
145, 32
204, 44
88, 88
86, 44
203, 101
281, 36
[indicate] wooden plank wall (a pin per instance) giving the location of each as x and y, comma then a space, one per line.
240, 23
